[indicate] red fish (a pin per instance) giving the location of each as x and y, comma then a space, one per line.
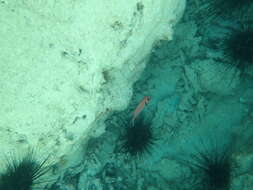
140, 107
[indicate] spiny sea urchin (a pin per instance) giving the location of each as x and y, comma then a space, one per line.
238, 48
23, 173
138, 139
220, 8
211, 168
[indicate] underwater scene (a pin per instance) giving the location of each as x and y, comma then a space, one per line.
182, 119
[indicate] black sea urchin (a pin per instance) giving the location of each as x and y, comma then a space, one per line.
211, 167
23, 173
220, 8
138, 139
238, 48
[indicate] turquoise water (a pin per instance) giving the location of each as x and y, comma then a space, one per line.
201, 126
202, 130
195, 132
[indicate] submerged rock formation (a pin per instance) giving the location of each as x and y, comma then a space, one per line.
66, 64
